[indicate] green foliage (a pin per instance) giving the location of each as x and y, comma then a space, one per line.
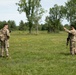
2, 24
12, 25
44, 27
53, 21
31, 8
22, 26
71, 11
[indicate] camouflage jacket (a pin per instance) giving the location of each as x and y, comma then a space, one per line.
73, 34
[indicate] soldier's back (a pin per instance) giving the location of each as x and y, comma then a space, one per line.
73, 36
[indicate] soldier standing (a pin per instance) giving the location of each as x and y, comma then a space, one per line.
72, 37
5, 40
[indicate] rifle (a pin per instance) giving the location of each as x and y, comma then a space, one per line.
68, 38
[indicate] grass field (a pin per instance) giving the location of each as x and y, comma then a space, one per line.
42, 54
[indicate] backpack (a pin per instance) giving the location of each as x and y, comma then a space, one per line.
2, 37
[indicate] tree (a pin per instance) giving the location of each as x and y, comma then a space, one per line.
22, 25
43, 27
49, 25
71, 11
56, 14
2, 24
38, 15
29, 7
12, 25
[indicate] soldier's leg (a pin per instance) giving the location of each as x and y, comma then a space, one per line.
2, 48
70, 47
6, 48
72, 52
73, 48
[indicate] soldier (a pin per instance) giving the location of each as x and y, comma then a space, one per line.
4, 38
72, 38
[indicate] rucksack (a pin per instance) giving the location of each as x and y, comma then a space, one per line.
2, 37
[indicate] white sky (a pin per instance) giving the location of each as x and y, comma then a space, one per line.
8, 10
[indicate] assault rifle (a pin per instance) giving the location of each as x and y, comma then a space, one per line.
68, 38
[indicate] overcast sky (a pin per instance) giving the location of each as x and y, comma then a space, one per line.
8, 10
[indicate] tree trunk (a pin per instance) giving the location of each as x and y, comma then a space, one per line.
70, 20
37, 29
30, 27
30, 30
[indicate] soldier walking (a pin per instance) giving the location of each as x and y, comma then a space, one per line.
72, 39
4, 38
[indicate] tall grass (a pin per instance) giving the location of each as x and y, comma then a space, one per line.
42, 54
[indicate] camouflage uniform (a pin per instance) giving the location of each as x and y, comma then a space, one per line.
4, 38
72, 39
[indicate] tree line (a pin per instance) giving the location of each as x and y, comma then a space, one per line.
24, 26
34, 12
11, 23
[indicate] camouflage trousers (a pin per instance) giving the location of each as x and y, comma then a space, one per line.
4, 47
72, 47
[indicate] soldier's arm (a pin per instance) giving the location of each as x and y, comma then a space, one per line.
69, 31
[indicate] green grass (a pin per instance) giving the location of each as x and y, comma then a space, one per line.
42, 54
